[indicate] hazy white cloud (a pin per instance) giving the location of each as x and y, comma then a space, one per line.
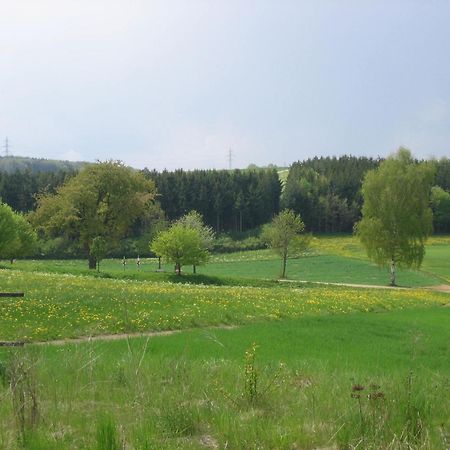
176, 84
194, 145
435, 112
72, 155
425, 130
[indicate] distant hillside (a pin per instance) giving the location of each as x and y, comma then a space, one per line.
10, 164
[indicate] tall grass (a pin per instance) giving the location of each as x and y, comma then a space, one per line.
201, 390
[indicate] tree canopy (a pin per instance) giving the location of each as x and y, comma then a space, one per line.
104, 199
440, 204
17, 237
284, 235
180, 245
326, 191
194, 220
227, 200
98, 250
396, 217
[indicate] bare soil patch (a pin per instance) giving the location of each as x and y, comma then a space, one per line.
440, 288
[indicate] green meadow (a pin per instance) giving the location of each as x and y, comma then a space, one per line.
342, 381
64, 306
251, 362
331, 259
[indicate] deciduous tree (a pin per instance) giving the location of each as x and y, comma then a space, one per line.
285, 235
440, 204
194, 220
396, 217
180, 245
98, 250
7, 228
17, 237
103, 199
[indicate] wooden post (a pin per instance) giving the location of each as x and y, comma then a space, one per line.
12, 343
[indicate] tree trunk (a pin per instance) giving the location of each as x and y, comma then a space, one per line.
178, 269
92, 262
283, 270
159, 262
392, 272
194, 269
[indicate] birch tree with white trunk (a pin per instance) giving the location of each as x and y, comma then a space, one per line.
396, 216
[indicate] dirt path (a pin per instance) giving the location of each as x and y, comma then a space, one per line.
440, 288
352, 285
437, 287
117, 337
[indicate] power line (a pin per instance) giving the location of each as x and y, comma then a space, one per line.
230, 157
6, 146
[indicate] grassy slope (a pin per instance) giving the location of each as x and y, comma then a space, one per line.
232, 270
437, 261
180, 390
177, 391
326, 268
332, 259
59, 306
369, 344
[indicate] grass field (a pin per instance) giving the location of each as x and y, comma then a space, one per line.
330, 259
303, 366
195, 389
58, 306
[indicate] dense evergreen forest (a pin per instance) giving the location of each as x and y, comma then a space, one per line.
325, 191
19, 189
235, 200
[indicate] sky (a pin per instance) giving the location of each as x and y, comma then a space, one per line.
178, 84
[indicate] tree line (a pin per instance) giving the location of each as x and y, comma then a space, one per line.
235, 200
19, 188
327, 192
396, 221
11, 164
107, 202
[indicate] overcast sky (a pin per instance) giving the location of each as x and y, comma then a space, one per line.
169, 84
